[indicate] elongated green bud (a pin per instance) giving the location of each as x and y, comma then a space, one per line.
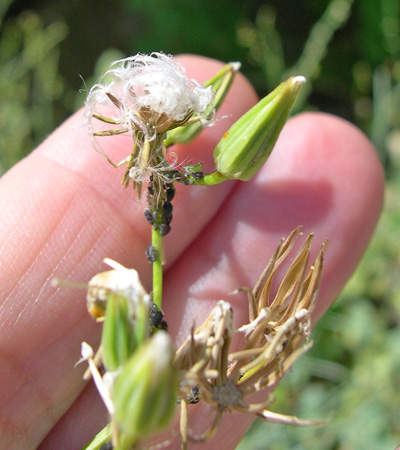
144, 394
123, 330
118, 298
248, 143
221, 83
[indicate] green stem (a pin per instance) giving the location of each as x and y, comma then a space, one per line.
211, 179
101, 438
156, 241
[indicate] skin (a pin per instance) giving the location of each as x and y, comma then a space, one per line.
64, 210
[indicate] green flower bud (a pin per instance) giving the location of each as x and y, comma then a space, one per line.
144, 394
126, 320
247, 144
120, 338
221, 83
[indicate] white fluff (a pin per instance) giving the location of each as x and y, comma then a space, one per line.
155, 81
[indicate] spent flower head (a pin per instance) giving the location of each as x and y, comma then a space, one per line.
271, 343
120, 280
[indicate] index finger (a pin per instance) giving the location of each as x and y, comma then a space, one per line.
63, 211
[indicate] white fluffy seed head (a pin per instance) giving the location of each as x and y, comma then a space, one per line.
154, 81
121, 281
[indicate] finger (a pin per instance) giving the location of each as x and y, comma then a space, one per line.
79, 424
63, 212
323, 174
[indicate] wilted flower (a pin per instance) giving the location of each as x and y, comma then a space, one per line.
146, 96
120, 280
271, 342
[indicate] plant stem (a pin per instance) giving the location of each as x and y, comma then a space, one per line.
211, 179
156, 241
101, 438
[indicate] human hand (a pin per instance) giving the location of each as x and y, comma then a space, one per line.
64, 210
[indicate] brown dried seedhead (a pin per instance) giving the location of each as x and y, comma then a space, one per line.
276, 335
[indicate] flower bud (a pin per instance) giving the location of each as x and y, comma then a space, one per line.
144, 394
221, 83
123, 330
247, 144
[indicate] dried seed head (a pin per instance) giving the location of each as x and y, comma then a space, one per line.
227, 394
216, 330
271, 342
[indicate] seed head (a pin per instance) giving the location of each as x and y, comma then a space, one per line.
270, 343
150, 93
146, 96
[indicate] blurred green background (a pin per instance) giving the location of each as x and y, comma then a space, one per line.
349, 51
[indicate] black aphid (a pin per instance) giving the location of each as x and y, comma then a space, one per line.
170, 194
164, 229
151, 254
198, 175
194, 396
175, 175
167, 211
148, 216
156, 316
168, 175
